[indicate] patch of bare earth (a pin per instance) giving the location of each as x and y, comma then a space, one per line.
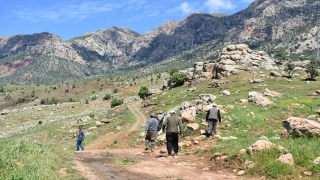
96, 161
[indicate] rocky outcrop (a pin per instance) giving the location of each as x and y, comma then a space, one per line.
240, 57
302, 127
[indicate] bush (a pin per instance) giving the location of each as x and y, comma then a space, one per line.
143, 92
107, 97
115, 90
173, 70
178, 78
116, 102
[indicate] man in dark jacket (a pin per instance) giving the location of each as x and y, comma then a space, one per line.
151, 132
172, 125
160, 118
212, 117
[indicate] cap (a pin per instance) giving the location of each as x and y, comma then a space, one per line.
214, 105
152, 115
160, 112
172, 111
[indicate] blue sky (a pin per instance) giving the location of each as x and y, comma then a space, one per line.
71, 18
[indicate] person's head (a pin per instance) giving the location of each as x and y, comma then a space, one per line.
152, 115
160, 112
80, 127
214, 105
172, 112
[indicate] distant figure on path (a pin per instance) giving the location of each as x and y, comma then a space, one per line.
172, 126
81, 137
160, 118
212, 117
151, 132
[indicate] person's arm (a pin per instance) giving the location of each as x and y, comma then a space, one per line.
147, 127
207, 115
164, 125
219, 116
180, 127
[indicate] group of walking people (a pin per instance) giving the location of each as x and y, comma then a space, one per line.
172, 126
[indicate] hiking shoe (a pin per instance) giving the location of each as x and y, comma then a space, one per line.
146, 149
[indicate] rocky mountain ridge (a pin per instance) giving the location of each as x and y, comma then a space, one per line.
264, 25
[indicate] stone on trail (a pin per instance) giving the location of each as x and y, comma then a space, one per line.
193, 126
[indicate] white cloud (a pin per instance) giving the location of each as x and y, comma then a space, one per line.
217, 5
185, 7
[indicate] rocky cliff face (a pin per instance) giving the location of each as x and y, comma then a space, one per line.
264, 25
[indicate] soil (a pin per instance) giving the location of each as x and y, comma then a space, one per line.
95, 162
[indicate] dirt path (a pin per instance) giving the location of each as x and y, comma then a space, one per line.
95, 163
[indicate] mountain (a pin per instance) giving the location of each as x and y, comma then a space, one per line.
264, 25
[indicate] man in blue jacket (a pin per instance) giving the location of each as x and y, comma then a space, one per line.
151, 132
81, 137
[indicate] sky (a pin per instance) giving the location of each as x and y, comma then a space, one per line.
72, 18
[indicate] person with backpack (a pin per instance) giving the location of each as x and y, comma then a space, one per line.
151, 132
160, 118
212, 117
81, 137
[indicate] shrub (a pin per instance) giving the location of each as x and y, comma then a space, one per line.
107, 97
143, 92
178, 78
115, 90
289, 68
116, 102
173, 70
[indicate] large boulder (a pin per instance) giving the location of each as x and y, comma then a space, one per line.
302, 127
208, 98
188, 114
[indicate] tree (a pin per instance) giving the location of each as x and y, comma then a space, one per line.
107, 97
178, 78
289, 68
143, 92
281, 53
116, 102
312, 69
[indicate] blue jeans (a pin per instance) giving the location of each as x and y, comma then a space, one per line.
79, 144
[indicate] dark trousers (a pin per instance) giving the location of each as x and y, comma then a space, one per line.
172, 142
212, 127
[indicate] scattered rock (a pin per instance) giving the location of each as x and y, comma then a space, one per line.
225, 93
317, 161
193, 126
263, 144
189, 114
241, 172
307, 173
105, 120
286, 158
275, 74
5, 112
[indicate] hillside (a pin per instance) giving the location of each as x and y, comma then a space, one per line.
264, 25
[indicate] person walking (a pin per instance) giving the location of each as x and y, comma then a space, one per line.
212, 117
81, 137
151, 132
160, 118
172, 126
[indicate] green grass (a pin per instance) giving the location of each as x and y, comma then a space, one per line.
25, 160
124, 161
